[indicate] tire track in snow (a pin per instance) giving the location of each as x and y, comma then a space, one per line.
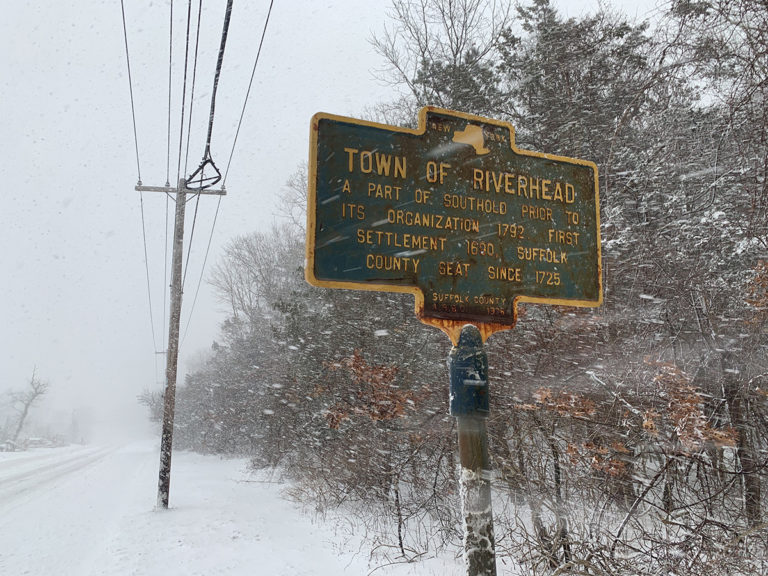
20, 462
19, 487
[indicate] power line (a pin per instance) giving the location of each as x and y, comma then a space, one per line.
146, 266
165, 269
167, 169
189, 247
130, 88
181, 140
248, 92
204, 182
189, 137
198, 178
207, 158
138, 170
202, 271
170, 70
229, 162
194, 78
184, 91
224, 32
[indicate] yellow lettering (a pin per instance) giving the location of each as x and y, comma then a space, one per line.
392, 263
436, 172
545, 189
383, 162
542, 255
477, 178
370, 161
558, 195
453, 268
386, 191
496, 183
353, 211
509, 180
505, 273
351, 153
535, 212
399, 166
534, 188
366, 162
570, 195
564, 237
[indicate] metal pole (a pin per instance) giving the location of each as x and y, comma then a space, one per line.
166, 442
468, 365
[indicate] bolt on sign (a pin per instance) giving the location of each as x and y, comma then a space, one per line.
453, 213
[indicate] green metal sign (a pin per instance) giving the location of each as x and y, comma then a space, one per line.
453, 213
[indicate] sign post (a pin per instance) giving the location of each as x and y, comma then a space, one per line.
468, 367
453, 213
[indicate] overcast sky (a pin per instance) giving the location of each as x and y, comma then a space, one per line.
73, 286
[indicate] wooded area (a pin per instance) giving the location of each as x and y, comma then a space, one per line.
628, 439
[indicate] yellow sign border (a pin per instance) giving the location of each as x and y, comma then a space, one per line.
451, 327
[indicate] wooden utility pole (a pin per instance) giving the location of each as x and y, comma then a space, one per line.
169, 407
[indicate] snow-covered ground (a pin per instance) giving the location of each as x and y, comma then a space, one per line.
86, 511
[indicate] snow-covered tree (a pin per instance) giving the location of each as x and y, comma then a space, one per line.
630, 439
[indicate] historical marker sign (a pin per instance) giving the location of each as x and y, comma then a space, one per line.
453, 213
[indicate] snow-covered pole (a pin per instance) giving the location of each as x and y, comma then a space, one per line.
468, 366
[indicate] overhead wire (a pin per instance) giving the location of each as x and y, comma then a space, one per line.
184, 91
207, 154
194, 80
168, 170
181, 134
229, 162
189, 137
181, 140
198, 178
170, 70
222, 46
248, 92
165, 272
204, 182
146, 265
130, 88
138, 170
189, 244
202, 271
207, 160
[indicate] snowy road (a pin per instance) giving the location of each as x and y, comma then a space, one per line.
24, 475
63, 509
87, 511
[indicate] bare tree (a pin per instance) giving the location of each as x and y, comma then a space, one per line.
24, 400
153, 400
444, 53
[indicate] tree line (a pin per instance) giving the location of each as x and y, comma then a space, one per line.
629, 439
